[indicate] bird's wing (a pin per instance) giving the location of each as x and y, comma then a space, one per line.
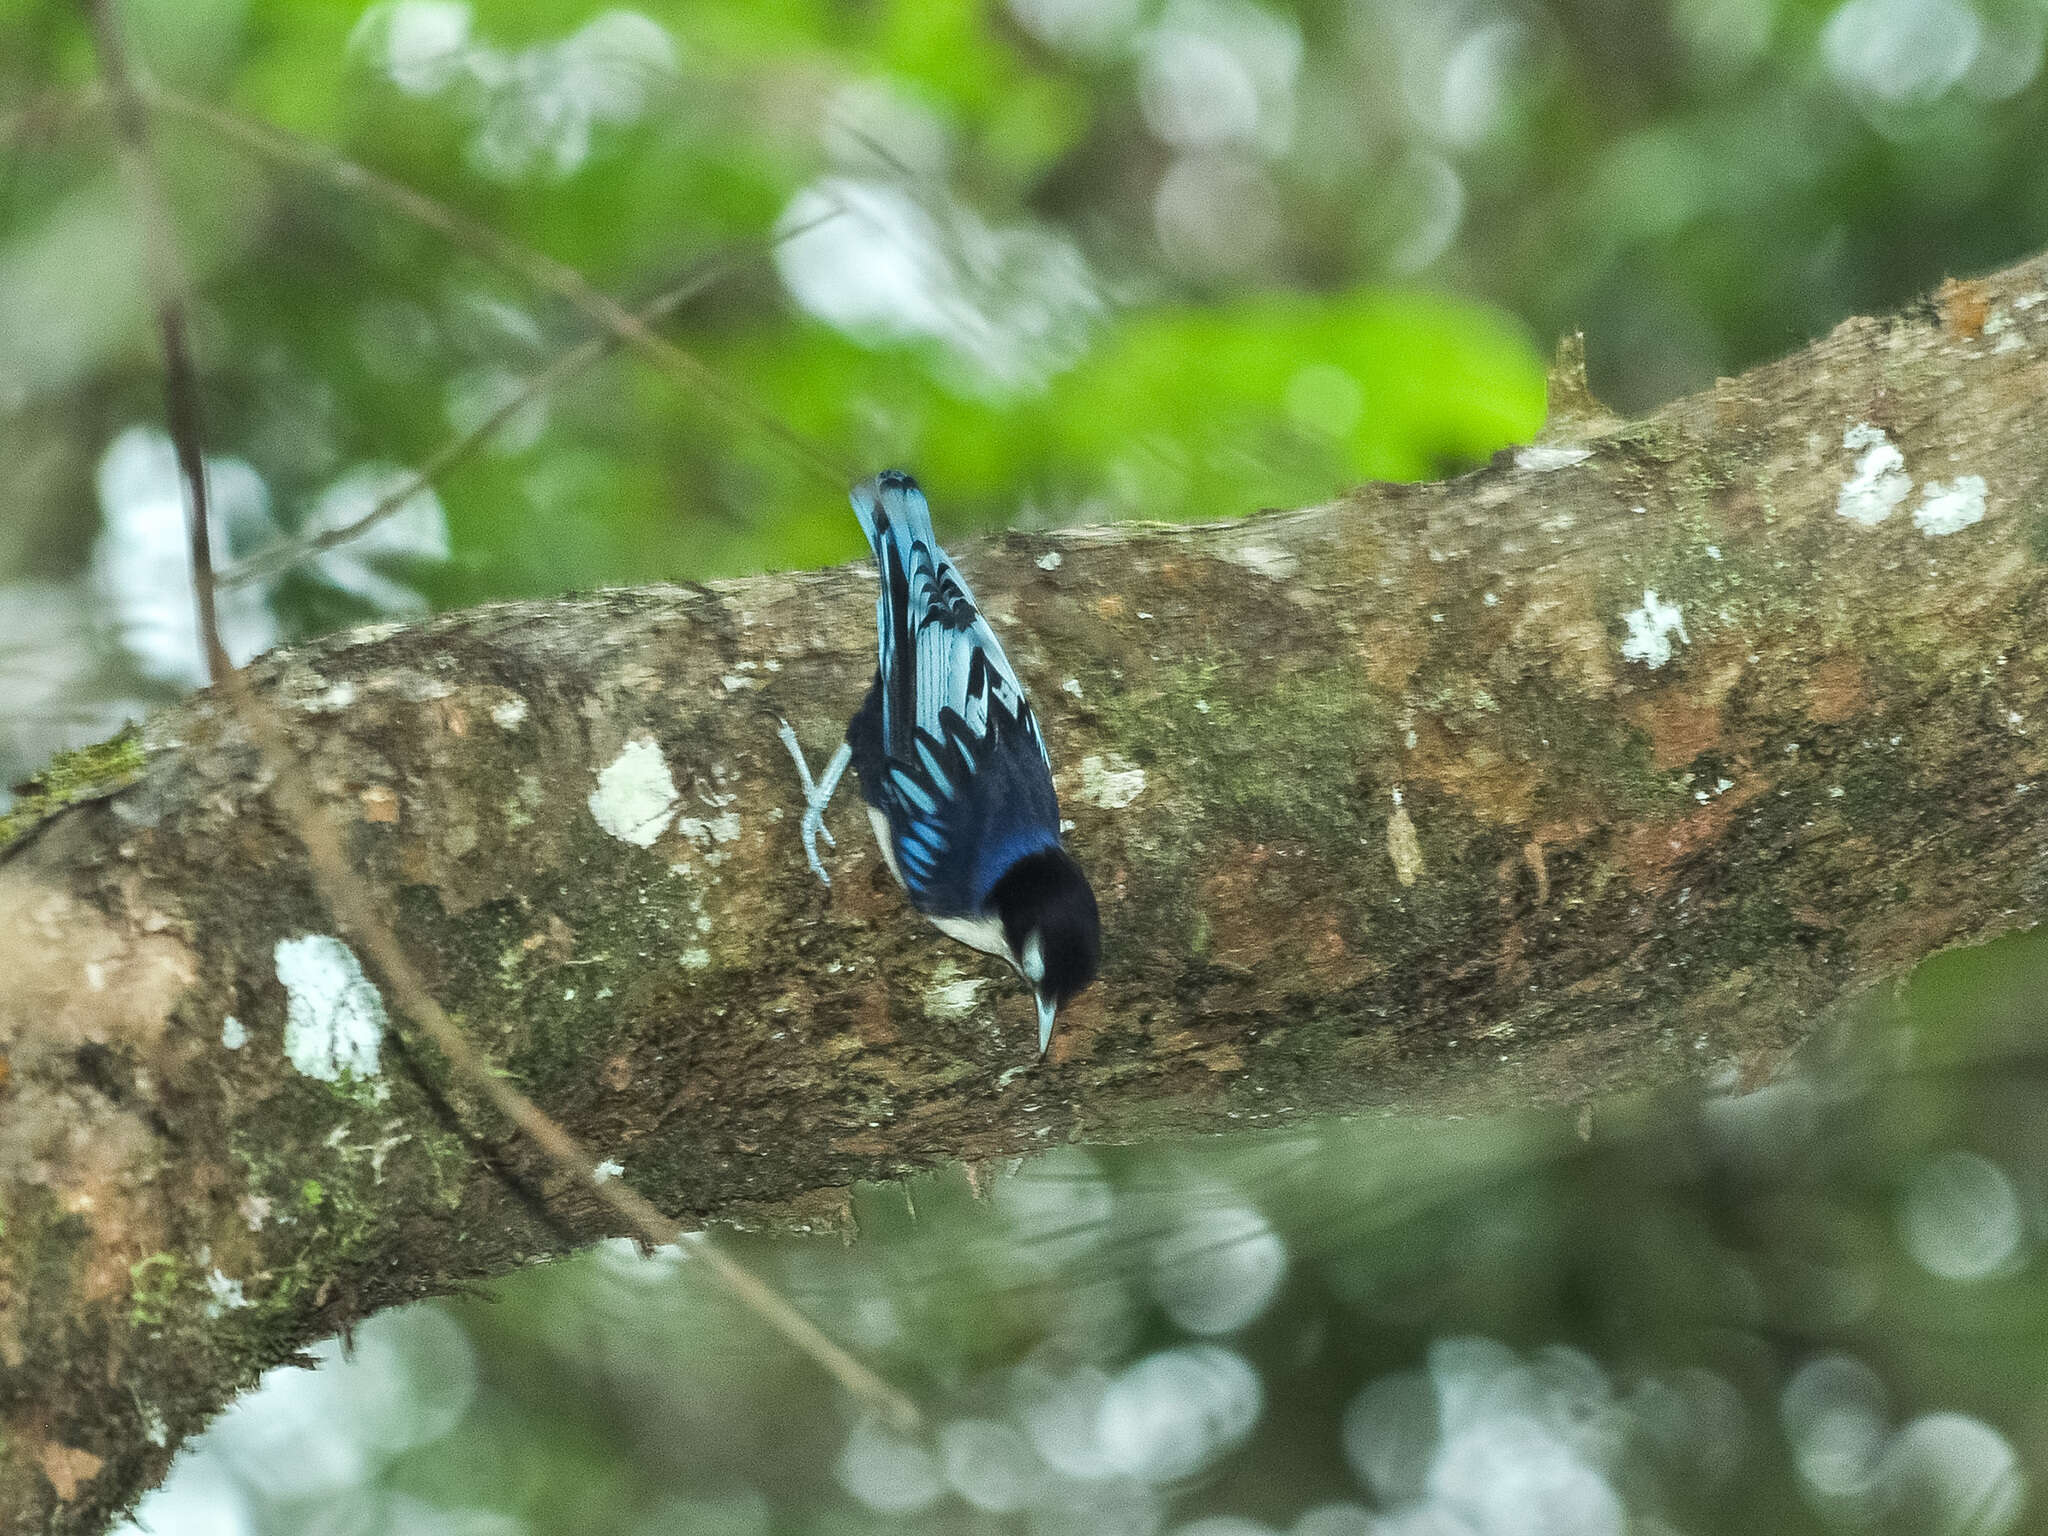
938, 653
968, 783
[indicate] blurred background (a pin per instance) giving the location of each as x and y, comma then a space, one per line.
1071, 260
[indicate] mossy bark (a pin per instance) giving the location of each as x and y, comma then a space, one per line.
1615, 762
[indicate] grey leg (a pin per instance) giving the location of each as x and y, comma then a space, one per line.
817, 795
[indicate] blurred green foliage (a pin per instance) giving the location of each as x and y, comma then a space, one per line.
1148, 290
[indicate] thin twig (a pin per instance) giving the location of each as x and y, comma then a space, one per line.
271, 562
356, 910
533, 266
167, 283
348, 896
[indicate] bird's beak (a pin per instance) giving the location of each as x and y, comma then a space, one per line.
1047, 1007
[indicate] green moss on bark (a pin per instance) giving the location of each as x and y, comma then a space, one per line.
71, 777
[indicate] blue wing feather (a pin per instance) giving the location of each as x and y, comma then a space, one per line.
946, 745
937, 652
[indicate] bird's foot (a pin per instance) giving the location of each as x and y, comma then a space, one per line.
816, 797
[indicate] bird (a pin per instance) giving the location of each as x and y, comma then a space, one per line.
954, 769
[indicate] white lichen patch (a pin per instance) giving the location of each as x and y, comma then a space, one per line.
695, 958
509, 714
706, 830
1265, 560
952, 996
334, 1019
223, 1294
1879, 482
1542, 460
1947, 509
635, 798
1650, 629
417, 687
369, 634
1111, 783
232, 1033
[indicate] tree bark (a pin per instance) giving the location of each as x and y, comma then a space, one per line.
1616, 762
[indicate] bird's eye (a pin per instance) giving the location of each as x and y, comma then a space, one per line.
1032, 961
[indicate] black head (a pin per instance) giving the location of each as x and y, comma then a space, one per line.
1052, 928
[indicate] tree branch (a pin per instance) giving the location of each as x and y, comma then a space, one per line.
1620, 761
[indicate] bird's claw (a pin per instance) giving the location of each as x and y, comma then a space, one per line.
813, 829
816, 798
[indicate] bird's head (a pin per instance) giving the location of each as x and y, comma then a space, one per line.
1052, 929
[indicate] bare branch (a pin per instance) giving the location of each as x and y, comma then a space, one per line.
359, 913
168, 287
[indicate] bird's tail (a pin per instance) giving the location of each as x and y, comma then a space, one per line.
890, 506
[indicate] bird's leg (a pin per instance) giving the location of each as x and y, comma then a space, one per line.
817, 795
814, 809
